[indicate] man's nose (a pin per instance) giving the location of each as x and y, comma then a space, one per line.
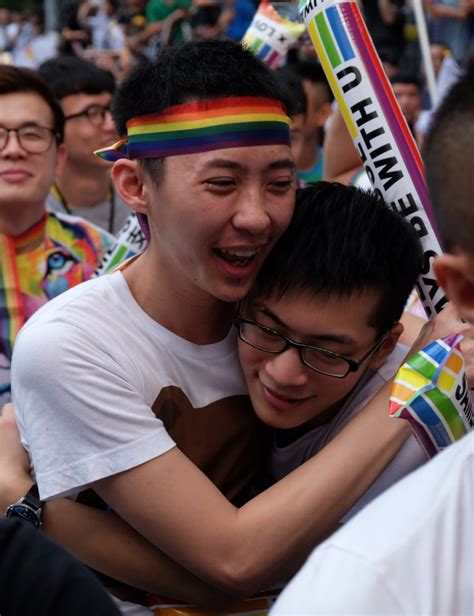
251, 214
13, 147
286, 369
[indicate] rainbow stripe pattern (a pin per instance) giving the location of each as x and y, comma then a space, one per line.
270, 35
203, 126
431, 392
339, 34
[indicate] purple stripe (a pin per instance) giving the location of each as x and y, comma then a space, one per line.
412, 167
273, 60
194, 148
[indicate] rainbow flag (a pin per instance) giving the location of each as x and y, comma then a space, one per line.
270, 35
431, 392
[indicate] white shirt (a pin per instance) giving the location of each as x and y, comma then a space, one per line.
410, 552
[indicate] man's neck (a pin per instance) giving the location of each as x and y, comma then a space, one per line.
81, 188
17, 219
189, 313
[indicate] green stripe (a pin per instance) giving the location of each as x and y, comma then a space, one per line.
325, 34
243, 127
117, 257
423, 366
448, 411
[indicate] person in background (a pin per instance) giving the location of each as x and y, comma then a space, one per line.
84, 187
41, 255
407, 90
34, 44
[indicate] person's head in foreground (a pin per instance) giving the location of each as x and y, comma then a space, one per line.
217, 190
449, 157
326, 305
31, 150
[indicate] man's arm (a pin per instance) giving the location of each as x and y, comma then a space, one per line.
173, 505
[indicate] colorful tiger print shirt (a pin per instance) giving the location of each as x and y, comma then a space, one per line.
54, 255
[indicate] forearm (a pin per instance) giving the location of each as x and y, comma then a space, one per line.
106, 543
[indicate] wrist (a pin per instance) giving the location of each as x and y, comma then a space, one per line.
13, 490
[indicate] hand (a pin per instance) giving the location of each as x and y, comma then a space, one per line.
15, 479
447, 322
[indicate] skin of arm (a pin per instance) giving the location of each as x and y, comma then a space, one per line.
341, 160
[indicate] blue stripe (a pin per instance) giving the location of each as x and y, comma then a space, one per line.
337, 28
264, 51
437, 352
427, 415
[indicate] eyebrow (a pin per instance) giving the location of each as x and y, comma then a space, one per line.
338, 338
225, 163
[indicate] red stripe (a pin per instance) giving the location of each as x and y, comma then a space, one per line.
387, 87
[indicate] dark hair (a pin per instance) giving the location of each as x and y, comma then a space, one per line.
448, 151
342, 240
199, 70
14, 79
313, 71
68, 75
407, 78
293, 84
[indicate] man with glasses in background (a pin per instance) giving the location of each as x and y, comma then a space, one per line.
41, 255
84, 187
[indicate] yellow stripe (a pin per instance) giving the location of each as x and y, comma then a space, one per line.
231, 119
332, 81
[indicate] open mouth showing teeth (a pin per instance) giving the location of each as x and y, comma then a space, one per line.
237, 257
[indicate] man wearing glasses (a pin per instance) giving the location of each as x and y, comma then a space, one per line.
84, 187
40, 255
319, 330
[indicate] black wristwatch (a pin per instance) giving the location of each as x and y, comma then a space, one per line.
27, 508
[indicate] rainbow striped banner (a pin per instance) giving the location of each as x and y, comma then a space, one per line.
270, 36
430, 391
376, 124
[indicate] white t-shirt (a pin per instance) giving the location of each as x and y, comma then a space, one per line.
283, 460
410, 552
93, 374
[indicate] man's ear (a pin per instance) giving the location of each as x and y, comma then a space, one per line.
455, 273
128, 180
60, 159
387, 347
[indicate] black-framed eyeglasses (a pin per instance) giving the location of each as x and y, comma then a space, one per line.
321, 360
94, 113
32, 138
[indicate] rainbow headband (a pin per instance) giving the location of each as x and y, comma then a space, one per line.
203, 126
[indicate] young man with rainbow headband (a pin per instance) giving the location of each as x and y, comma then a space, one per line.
148, 406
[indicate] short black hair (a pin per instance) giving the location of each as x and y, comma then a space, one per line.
15, 79
408, 78
343, 240
312, 71
67, 75
293, 83
448, 151
197, 70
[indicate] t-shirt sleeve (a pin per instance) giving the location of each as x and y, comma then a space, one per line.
81, 415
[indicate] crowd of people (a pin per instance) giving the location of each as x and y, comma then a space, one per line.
190, 424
